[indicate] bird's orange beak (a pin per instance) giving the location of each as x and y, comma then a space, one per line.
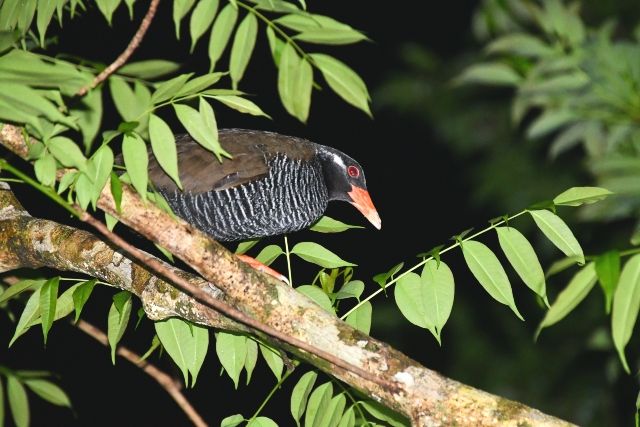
362, 202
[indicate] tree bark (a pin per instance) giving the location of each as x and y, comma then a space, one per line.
426, 397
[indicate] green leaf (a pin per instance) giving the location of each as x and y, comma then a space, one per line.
180, 10
571, 296
123, 97
232, 352
332, 37
240, 104
67, 152
317, 404
316, 254
45, 13
116, 190
316, 295
626, 303
48, 300
200, 83
382, 278
89, 116
333, 412
117, 320
520, 44
495, 73
548, 122
252, 358
608, 270
18, 402
222, 28
186, 343
577, 196
352, 289
361, 318
330, 225
81, 296
344, 81
273, 359
163, 145
20, 287
232, 421
275, 45
262, 422
487, 269
84, 190
242, 48
300, 395
136, 160
295, 80
107, 7
169, 89
561, 265
243, 247
348, 418
48, 391
523, 259
199, 129
149, 69
201, 19
29, 315
385, 414
269, 254
558, 233
99, 170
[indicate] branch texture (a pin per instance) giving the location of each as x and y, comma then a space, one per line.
425, 396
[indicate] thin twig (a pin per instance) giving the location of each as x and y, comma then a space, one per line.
166, 382
227, 309
124, 56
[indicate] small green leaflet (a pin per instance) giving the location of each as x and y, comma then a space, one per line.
163, 145
273, 359
360, 318
523, 259
352, 289
202, 126
20, 287
252, 358
117, 320
48, 300
201, 19
382, 278
333, 37
329, 225
242, 48
180, 10
316, 295
169, 89
45, 169
18, 402
558, 233
67, 152
48, 391
240, 104
561, 265
427, 300
99, 169
186, 343
520, 44
222, 28
385, 414
244, 246
317, 404
295, 80
29, 315
548, 122
577, 289
626, 303
262, 422
348, 418
107, 7
344, 81
316, 254
136, 160
577, 196
269, 254
493, 73
232, 421
116, 190
608, 270
81, 296
149, 69
232, 352
487, 269
200, 83
300, 395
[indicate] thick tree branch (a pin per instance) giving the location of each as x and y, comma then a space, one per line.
166, 382
425, 396
124, 56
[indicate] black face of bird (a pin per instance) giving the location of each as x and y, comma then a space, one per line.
345, 181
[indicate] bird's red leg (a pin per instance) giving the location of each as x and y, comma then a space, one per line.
261, 267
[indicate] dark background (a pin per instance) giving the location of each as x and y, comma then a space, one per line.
425, 190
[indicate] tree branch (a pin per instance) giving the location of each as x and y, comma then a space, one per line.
124, 56
425, 396
166, 382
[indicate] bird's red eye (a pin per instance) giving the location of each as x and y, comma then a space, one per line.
353, 171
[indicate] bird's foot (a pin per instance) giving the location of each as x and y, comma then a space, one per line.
263, 268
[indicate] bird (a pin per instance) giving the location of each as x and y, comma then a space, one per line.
273, 184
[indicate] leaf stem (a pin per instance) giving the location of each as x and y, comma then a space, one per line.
288, 255
424, 261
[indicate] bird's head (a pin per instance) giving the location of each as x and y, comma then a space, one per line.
345, 181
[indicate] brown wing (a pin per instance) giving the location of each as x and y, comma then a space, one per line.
200, 170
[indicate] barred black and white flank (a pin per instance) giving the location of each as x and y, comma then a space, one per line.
274, 184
